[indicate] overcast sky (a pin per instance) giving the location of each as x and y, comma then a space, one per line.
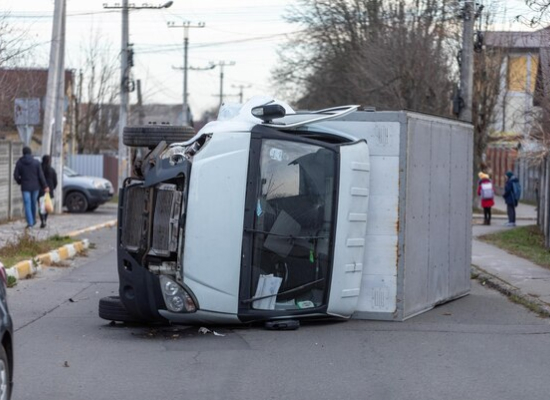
245, 31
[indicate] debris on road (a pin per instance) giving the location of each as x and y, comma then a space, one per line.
204, 331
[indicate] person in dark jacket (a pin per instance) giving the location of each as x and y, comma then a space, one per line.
28, 173
510, 198
51, 179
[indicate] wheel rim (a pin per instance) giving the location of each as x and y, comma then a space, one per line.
76, 202
3, 381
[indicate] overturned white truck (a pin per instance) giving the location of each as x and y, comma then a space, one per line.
268, 214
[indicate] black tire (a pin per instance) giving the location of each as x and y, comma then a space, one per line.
112, 309
93, 208
5, 375
152, 135
76, 202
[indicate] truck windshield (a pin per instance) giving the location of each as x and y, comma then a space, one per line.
293, 224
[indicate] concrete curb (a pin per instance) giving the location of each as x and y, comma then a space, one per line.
26, 269
108, 224
510, 291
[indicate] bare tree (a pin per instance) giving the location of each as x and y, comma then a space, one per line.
390, 54
96, 115
540, 8
13, 42
488, 76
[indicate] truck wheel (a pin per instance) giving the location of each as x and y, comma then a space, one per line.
76, 202
151, 135
112, 309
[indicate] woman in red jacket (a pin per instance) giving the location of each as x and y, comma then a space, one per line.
487, 194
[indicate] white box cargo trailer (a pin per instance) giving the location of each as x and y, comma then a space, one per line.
418, 241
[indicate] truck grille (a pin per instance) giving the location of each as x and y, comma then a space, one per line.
161, 237
134, 224
166, 220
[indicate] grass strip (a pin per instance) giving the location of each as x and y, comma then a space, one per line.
25, 246
525, 242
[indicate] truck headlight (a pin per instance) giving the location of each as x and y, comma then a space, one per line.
175, 296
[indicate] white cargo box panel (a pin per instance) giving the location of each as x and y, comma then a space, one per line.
418, 241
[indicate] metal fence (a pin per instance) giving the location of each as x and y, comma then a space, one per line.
527, 170
11, 201
86, 164
529, 174
101, 165
543, 214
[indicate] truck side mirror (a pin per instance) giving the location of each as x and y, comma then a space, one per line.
269, 112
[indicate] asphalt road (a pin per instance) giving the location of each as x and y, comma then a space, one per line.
478, 347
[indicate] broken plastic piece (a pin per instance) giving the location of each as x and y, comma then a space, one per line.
204, 331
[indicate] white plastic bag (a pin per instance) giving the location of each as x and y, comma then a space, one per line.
42, 205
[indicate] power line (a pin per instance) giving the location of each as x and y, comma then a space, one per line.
177, 47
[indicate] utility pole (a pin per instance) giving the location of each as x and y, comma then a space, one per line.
58, 134
55, 98
125, 82
53, 77
185, 25
77, 112
222, 64
467, 62
241, 87
141, 114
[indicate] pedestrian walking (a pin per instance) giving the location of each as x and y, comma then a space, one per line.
512, 194
487, 194
29, 175
51, 180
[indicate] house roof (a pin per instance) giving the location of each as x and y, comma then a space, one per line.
518, 39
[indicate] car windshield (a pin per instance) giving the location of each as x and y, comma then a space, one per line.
293, 225
69, 172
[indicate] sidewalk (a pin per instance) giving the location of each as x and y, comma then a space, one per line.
60, 224
505, 272
523, 211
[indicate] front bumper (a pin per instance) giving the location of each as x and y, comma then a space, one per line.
139, 289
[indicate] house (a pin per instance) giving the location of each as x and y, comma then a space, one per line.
157, 114
525, 76
28, 83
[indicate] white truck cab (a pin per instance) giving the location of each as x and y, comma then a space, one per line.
257, 217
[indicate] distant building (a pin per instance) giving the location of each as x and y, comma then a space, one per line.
158, 114
525, 77
524, 71
21, 83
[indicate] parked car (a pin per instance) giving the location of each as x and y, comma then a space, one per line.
84, 193
6, 335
